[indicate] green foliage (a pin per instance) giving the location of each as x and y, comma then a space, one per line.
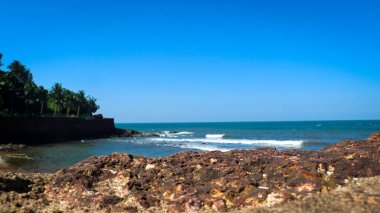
20, 72
19, 95
55, 98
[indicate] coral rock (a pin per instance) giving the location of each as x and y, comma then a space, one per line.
218, 181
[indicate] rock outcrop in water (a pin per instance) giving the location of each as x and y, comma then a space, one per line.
208, 181
126, 133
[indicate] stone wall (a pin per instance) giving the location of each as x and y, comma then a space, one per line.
46, 130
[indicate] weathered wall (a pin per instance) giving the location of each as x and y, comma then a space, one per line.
45, 130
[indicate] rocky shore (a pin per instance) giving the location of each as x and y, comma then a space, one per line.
258, 180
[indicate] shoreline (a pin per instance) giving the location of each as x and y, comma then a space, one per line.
11, 152
194, 181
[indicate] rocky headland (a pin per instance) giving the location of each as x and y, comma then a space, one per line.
257, 180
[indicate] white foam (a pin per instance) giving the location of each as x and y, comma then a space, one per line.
174, 134
234, 141
215, 135
201, 147
184, 133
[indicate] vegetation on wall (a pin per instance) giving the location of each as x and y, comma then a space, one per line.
21, 96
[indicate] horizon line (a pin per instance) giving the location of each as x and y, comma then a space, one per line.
258, 121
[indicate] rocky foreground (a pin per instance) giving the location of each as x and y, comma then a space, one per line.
241, 180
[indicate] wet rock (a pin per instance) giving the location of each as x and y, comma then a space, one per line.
126, 133
152, 135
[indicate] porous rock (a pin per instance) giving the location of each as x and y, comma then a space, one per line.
257, 180
211, 181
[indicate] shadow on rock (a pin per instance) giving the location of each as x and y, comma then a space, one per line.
15, 184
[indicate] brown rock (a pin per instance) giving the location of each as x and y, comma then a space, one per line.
191, 181
375, 136
362, 195
195, 182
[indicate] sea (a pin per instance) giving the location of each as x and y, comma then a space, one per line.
199, 137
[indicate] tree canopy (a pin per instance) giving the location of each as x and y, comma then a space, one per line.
21, 96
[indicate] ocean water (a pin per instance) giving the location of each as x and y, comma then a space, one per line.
308, 135
176, 137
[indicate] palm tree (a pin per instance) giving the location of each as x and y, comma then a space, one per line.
80, 101
42, 96
29, 95
12, 89
69, 100
92, 106
19, 94
56, 97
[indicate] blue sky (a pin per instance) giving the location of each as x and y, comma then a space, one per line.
173, 61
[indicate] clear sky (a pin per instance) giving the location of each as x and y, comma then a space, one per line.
173, 61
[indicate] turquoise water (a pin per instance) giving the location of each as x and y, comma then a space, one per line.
308, 135
175, 137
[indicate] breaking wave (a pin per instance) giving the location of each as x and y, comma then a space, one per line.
173, 134
200, 147
215, 135
232, 141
